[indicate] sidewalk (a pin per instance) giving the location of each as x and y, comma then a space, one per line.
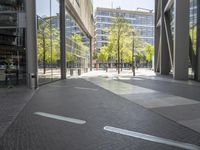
100, 110
176, 100
143, 73
12, 101
76, 114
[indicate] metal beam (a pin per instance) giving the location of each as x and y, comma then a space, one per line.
157, 35
62, 39
164, 54
181, 39
158, 24
198, 42
91, 53
168, 5
169, 40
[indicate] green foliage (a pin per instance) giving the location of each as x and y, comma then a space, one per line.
193, 35
48, 43
70, 56
121, 38
79, 49
77, 38
95, 55
139, 55
128, 56
103, 55
149, 52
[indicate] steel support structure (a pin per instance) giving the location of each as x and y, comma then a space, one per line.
172, 38
62, 39
31, 44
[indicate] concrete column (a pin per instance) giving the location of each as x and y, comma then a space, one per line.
164, 53
31, 44
91, 54
62, 39
181, 39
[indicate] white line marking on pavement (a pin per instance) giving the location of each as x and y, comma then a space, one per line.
83, 88
152, 138
62, 118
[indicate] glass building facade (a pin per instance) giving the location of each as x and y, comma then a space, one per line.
31, 47
48, 43
143, 22
193, 66
12, 43
77, 47
180, 46
48, 40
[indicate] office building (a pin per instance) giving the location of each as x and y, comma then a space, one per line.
177, 38
142, 21
42, 40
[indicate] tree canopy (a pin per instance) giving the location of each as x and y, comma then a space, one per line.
149, 52
103, 55
121, 37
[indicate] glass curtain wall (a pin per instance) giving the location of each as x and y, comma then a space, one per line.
193, 39
12, 43
48, 40
77, 48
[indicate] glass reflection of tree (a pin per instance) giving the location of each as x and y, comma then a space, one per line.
193, 35
80, 50
48, 48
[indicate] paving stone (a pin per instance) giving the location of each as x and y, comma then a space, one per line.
99, 109
181, 112
12, 102
194, 124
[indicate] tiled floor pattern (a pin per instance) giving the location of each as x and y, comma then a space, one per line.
182, 110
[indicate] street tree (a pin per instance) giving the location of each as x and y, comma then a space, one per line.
104, 55
149, 52
120, 41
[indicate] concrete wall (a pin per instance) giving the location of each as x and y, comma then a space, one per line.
83, 14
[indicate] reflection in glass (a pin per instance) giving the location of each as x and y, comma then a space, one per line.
77, 47
12, 44
193, 38
48, 40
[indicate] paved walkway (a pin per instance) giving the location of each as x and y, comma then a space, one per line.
176, 100
12, 101
78, 115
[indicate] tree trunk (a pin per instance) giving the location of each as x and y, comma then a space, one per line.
44, 54
118, 50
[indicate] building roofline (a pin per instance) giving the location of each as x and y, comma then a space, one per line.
123, 10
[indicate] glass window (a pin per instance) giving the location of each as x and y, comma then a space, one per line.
12, 44
77, 47
78, 2
48, 39
193, 38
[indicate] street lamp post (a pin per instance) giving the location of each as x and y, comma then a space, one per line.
133, 56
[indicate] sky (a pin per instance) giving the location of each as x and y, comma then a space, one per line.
125, 4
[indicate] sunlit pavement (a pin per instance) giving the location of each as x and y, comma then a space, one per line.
124, 73
106, 111
177, 100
